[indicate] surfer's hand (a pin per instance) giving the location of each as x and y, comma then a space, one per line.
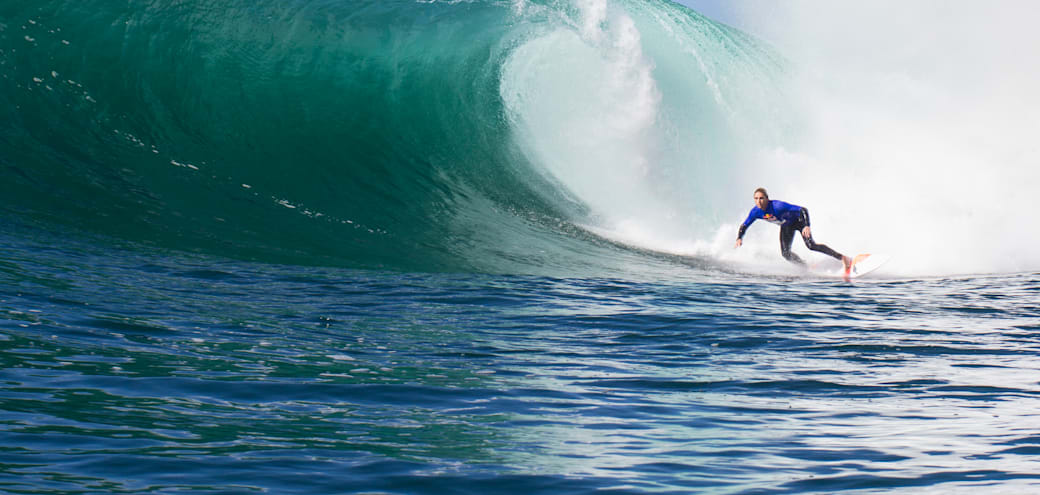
806, 232
739, 242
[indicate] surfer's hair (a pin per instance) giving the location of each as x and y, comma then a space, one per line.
763, 191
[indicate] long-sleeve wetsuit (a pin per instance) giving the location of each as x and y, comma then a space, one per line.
791, 218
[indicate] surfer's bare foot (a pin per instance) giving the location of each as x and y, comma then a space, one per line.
846, 262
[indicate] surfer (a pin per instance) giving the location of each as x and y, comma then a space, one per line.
791, 218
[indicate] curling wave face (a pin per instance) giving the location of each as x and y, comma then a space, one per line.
464, 136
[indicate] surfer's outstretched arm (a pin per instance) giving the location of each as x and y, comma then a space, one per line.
752, 216
740, 234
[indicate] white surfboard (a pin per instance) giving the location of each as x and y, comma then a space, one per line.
862, 264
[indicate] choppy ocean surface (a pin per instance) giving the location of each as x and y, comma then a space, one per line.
486, 247
130, 371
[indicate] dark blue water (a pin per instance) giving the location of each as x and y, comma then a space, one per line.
128, 369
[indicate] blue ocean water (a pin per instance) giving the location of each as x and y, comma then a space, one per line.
138, 370
461, 247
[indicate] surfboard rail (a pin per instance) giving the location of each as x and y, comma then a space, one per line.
862, 264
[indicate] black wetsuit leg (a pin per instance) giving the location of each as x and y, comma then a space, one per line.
822, 248
787, 232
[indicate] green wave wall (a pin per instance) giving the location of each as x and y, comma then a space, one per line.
369, 134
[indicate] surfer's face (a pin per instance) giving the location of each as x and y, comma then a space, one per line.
761, 200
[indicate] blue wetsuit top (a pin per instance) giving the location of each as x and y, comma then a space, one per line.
777, 212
